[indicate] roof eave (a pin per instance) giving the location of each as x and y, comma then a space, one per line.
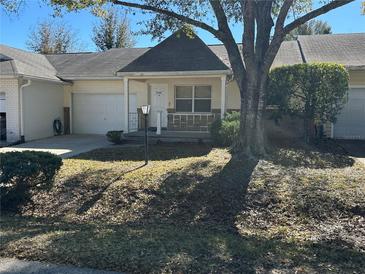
174, 73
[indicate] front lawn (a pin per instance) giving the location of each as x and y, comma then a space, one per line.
197, 209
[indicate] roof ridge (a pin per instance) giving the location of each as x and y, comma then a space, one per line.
332, 34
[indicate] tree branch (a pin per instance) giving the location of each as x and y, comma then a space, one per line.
248, 41
227, 38
305, 18
180, 17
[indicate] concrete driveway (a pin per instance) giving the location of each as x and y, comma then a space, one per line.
355, 148
15, 266
65, 145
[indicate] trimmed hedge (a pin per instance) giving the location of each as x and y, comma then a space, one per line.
225, 132
21, 173
115, 136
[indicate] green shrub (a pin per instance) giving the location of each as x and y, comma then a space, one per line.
314, 92
22, 173
115, 136
225, 132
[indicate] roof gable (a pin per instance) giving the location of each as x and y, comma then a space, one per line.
20, 62
179, 52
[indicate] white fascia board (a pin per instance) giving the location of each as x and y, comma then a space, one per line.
164, 74
74, 78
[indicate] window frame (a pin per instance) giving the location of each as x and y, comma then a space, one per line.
193, 98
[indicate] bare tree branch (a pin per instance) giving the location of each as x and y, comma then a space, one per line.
227, 38
180, 17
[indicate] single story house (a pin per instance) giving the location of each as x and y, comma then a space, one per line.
187, 83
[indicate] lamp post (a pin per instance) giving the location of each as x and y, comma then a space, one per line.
145, 111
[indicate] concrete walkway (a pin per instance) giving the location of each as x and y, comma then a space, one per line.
65, 146
15, 266
355, 148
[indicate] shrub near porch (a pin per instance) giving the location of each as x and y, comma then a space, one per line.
190, 210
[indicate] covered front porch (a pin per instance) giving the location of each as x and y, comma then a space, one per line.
181, 105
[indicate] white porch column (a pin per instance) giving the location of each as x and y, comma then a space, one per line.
126, 104
223, 96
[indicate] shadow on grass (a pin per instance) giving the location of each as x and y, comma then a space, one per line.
311, 157
159, 152
186, 224
168, 248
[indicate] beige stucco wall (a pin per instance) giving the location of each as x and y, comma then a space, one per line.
214, 82
11, 89
139, 88
42, 104
357, 77
233, 98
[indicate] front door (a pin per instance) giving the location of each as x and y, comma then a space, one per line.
158, 104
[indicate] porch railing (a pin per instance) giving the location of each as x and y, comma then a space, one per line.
133, 123
190, 121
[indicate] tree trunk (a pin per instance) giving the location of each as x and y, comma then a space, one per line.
309, 130
252, 139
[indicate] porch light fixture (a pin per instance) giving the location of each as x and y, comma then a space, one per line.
145, 111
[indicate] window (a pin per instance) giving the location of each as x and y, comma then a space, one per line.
193, 98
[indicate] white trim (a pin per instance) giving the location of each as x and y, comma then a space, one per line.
90, 78
356, 86
223, 96
176, 73
126, 103
29, 82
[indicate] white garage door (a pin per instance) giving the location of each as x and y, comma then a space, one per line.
351, 122
99, 113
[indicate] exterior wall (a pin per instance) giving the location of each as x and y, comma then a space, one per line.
233, 98
11, 89
357, 77
190, 121
215, 83
42, 104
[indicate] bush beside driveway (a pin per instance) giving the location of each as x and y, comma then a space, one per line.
197, 209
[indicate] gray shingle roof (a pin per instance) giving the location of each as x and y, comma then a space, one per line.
288, 54
179, 52
176, 53
18, 61
346, 49
97, 64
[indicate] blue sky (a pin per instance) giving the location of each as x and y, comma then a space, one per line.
14, 29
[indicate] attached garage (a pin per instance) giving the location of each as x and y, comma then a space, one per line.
98, 113
351, 122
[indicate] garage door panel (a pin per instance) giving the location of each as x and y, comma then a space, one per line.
98, 113
350, 122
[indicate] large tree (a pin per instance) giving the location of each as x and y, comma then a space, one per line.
113, 31
265, 25
48, 37
312, 27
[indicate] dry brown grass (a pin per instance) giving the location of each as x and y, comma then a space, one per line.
190, 210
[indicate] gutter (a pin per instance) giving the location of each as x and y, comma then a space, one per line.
29, 82
175, 73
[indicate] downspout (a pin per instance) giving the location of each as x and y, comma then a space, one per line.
27, 84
